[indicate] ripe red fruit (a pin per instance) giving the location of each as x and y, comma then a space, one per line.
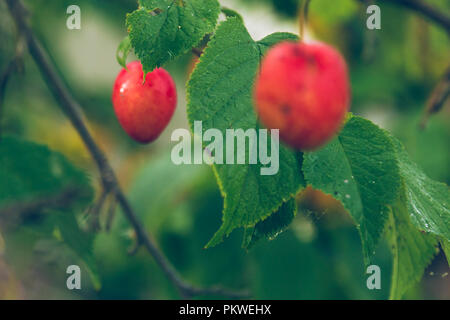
144, 109
303, 90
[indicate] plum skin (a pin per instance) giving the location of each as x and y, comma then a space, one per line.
303, 90
144, 109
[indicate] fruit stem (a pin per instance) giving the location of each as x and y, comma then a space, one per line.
303, 17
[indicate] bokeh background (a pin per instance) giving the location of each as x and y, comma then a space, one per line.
393, 72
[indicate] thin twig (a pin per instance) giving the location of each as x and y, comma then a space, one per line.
16, 64
94, 212
72, 110
438, 98
134, 248
4, 78
427, 10
304, 18
110, 214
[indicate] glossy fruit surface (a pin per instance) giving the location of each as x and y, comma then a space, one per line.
303, 90
144, 109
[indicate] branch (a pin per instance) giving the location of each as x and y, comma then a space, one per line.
430, 12
16, 64
438, 98
4, 78
94, 211
72, 110
427, 10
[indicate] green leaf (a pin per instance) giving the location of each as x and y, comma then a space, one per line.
161, 30
412, 250
445, 244
123, 51
274, 38
29, 171
270, 228
420, 217
230, 13
220, 95
359, 168
427, 201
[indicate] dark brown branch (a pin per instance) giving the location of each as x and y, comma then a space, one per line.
72, 110
95, 210
426, 10
16, 64
4, 78
438, 98
423, 8
110, 214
